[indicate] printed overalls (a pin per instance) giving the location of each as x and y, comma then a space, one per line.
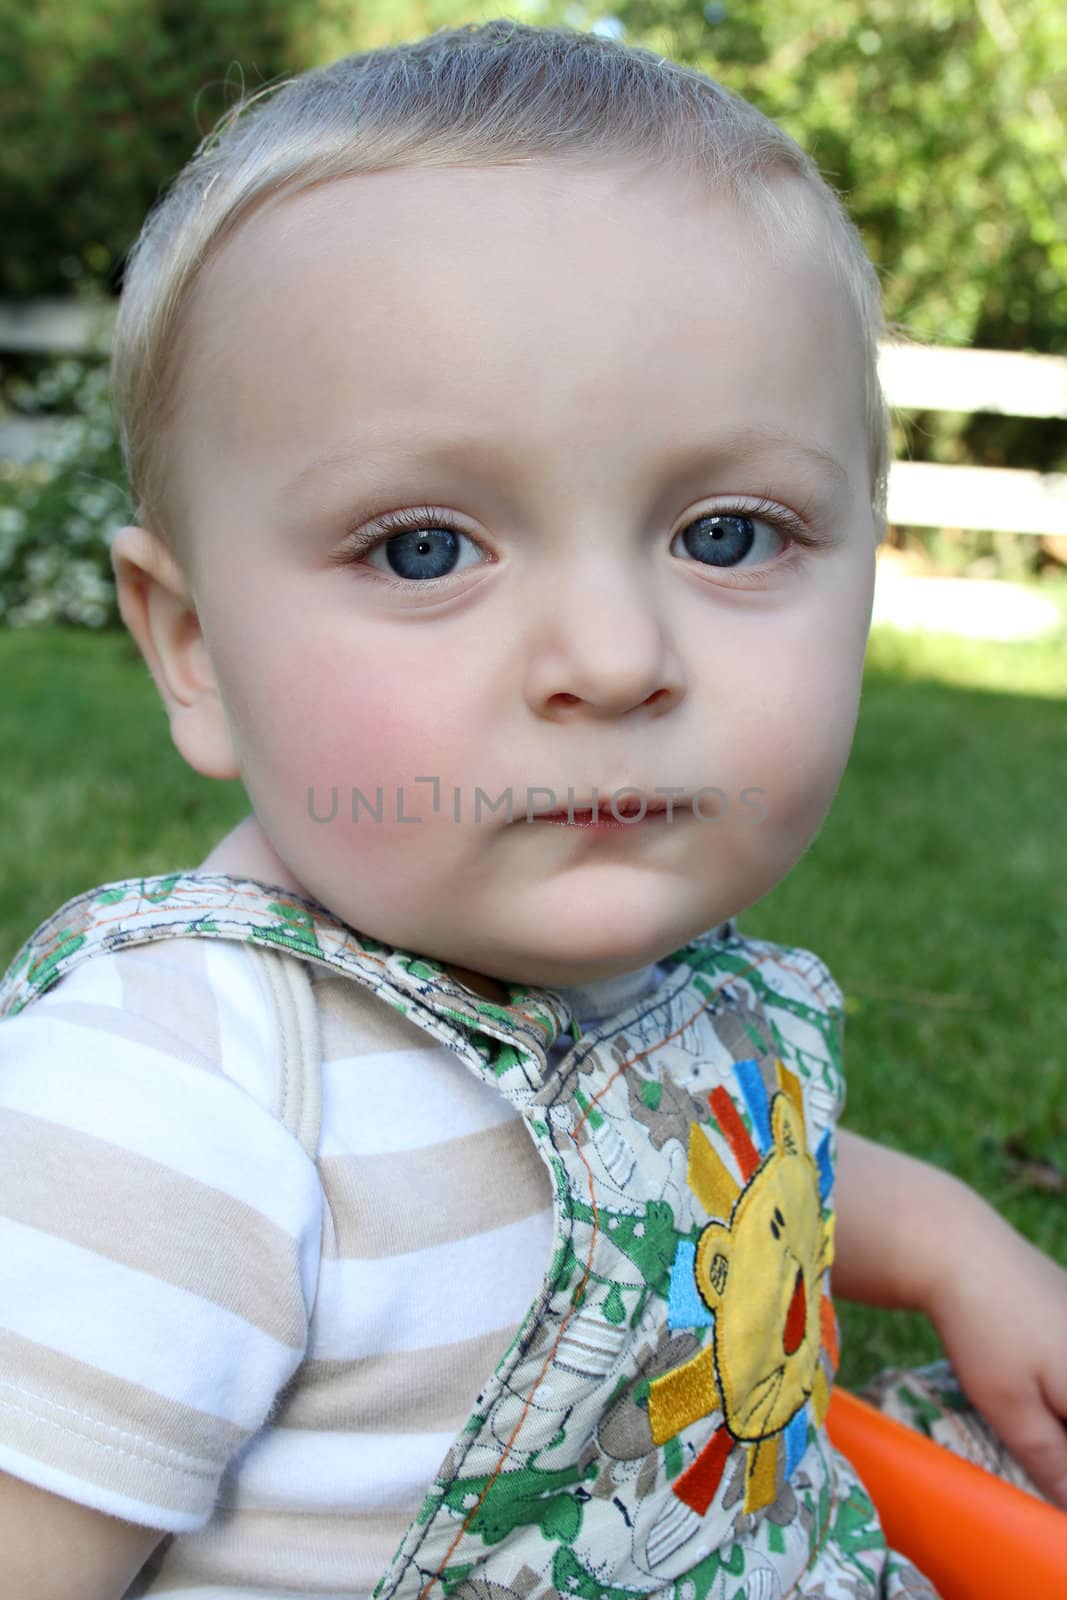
655, 1427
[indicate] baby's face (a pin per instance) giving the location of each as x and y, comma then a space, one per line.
574, 374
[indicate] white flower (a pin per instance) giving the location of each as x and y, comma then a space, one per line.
42, 565
94, 504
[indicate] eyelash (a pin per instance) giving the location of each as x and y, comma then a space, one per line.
417, 519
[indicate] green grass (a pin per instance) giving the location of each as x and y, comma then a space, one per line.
936, 891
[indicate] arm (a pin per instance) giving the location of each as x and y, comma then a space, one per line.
897, 1219
130, 1118
912, 1237
51, 1548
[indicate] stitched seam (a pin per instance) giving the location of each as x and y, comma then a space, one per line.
102, 921
278, 992
172, 1458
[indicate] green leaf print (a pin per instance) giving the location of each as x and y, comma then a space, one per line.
733, 1561
651, 1094
570, 1578
41, 974
110, 897
562, 1519
162, 890
591, 1112
699, 1579
613, 1308
298, 933
856, 1529
421, 967
502, 1057
524, 1497
649, 1240
452, 1577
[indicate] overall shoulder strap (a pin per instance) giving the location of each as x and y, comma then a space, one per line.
298, 1090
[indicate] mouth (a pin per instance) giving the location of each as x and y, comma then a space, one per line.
633, 809
796, 1318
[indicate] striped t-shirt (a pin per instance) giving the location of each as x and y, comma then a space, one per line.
204, 1331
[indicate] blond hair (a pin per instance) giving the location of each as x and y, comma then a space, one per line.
492, 94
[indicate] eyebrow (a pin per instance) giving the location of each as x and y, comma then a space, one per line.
460, 450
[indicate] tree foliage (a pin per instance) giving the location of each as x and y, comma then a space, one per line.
942, 123
101, 102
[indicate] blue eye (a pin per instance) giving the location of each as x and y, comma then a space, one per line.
428, 553
725, 539
425, 550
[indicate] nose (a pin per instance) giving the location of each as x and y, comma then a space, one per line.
600, 643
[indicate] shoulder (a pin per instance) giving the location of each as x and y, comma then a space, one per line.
791, 998
779, 974
161, 1058
196, 1002
794, 975
136, 1087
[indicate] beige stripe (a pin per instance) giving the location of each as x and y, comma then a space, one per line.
356, 1022
129, 1209
170, 979
151, 1032
411, 1391
267, 1550
404, 1200
125, 1454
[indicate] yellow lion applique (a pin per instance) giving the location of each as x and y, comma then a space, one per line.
756, 1278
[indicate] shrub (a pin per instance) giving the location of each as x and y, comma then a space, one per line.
58, 514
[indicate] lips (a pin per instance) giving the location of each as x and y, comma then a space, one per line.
631, 806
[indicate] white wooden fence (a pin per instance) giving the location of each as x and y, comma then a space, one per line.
927, 495
915, 377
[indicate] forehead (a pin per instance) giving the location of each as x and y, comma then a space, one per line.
561, 307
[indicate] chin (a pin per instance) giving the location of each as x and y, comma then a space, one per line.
583, 962
608, 936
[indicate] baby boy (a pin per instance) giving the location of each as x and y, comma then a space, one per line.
506, 524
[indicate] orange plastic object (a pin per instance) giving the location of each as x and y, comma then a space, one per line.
973, 1535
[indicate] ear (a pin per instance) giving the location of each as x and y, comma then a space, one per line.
158, 608
787, 1129
711, 1268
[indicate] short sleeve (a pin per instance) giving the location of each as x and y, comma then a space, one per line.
159, 1232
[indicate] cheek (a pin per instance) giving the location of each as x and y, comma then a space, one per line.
313, 715
801, 736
